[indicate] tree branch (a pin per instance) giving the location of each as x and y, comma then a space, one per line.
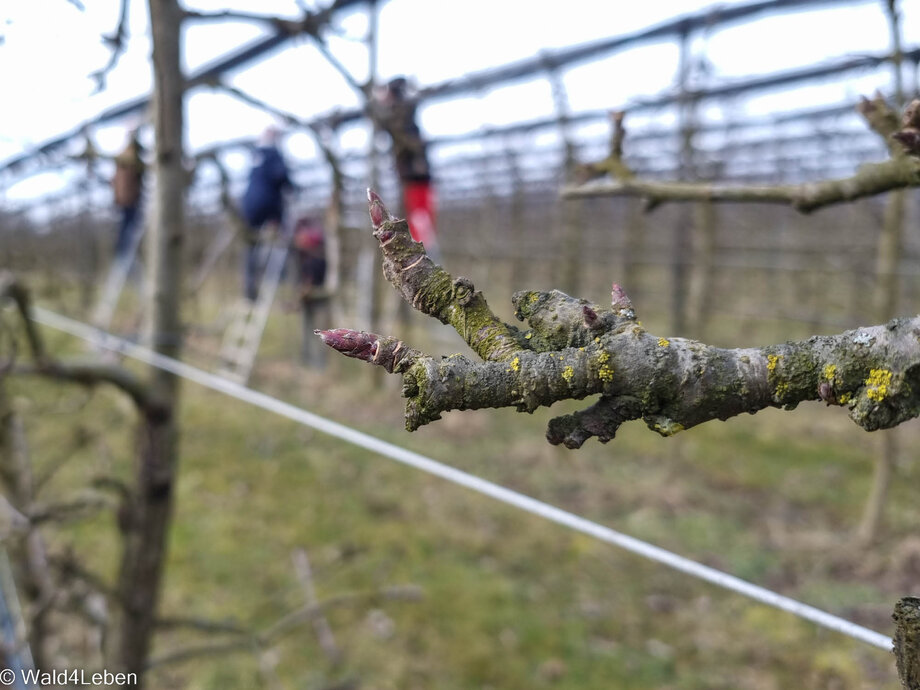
901, 171
288, 26
89, 372
117, 42
574, 349
282, 626
309, 23
907, 641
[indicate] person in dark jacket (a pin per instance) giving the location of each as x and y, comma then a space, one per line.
263, 204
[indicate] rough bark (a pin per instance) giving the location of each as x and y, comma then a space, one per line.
907, 641
573, 349
31, 550
146, 525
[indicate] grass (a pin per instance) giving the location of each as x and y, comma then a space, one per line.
510, 601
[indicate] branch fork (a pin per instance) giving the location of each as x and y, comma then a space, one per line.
574, 349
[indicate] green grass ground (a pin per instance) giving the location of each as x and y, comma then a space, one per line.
510, 601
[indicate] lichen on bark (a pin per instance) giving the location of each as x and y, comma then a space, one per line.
573, 349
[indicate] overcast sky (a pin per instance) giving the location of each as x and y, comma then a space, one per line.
50, 47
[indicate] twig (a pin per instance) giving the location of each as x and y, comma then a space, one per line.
69, 510
203, 625
284, 625
117, 43
868, 181
320, 623
899, 172
84, 372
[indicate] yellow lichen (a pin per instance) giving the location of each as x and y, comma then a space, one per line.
830, 371
781, 389
605, 374
669, 428
663, 342
568, 373
844, 399
515, 364
534, 297
603, 357
877, 384
772, 360
528, 335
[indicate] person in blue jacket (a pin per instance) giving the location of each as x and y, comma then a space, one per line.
263, 203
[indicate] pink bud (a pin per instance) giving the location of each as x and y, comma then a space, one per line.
618, 297
589, 314
378, 211
357, 344
621, 303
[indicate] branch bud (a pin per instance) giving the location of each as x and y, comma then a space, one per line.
357, 344
390, 353
379, 212
621, 303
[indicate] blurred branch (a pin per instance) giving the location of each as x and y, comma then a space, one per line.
284, 116
117, 42
282, 626
290, 26
69, 567
201, 625
321, 131
84, 372
91, 372
18, 484
320, 623
309, 23
901, 171
322, 46
69, 510
81, 438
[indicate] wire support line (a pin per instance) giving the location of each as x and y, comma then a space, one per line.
482, 486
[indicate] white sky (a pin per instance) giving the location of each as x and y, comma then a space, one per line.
50, 47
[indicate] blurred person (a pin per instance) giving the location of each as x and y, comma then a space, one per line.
310, 256
127, 185
263, 204
397, 112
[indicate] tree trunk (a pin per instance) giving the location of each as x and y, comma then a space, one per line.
147, 523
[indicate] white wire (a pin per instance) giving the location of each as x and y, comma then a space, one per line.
482, 486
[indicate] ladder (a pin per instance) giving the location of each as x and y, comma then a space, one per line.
115, 282
248, 319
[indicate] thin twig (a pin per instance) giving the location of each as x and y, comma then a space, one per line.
320, 623
117, 42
